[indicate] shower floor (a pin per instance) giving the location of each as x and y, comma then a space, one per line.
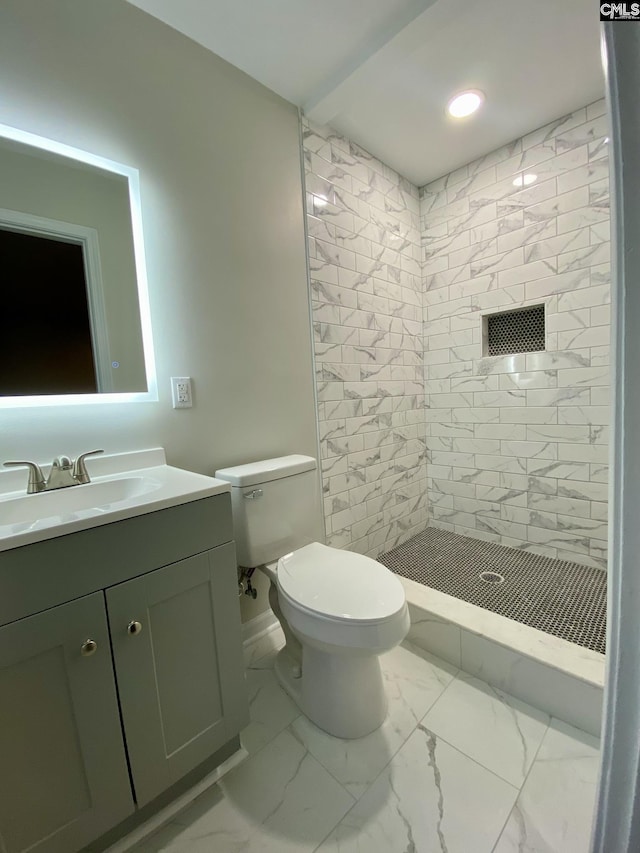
561, 598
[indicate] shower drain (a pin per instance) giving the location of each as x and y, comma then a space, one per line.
562, 598
491, 577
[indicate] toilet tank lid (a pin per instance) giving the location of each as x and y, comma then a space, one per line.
266, 470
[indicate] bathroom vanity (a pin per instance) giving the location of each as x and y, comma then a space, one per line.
120, 654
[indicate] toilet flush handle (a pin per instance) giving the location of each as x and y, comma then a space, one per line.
253, 495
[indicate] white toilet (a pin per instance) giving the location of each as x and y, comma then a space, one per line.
339, 610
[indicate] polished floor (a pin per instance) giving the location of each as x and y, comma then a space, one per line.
458, 767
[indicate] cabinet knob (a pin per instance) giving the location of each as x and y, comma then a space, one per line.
134, 628
88, 648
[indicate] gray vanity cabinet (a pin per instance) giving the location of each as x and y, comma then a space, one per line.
178, 665
63, 770
120, 671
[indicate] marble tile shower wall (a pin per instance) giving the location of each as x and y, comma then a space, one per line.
517, 445
366, 290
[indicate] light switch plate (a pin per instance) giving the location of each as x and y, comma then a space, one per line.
181, 392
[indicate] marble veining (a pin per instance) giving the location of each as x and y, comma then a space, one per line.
503, 734
413, 681
460, 767
547, 243
437, 778
366, 287
400, 281
562, 781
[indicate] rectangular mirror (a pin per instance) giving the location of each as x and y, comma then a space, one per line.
73, 283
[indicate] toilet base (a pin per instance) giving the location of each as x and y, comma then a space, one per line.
342, 694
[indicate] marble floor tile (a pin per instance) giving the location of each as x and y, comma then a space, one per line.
444, 773
430, 798
496, 730
270, 708
413, 681
279, 800
554, 811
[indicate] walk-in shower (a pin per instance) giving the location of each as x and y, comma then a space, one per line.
462, 336
561, 598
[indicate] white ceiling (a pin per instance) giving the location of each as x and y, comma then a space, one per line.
381, 71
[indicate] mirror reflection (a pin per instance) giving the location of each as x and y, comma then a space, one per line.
71, 310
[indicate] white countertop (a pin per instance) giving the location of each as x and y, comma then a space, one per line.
151, 485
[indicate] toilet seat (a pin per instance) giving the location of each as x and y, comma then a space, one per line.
339, 611
339, 586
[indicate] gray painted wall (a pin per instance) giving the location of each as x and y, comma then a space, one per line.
222, 210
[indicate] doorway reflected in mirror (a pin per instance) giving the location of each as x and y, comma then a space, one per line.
75, 318
50, 350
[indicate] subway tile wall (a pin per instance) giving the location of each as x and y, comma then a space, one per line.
517, 445
367, 302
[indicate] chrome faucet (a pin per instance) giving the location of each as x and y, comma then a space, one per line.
63, 473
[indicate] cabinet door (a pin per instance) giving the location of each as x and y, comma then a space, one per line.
178, 654
63, 772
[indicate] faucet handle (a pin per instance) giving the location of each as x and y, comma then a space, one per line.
80, 473
36, 477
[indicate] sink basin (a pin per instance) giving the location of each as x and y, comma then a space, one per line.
96, 496
131, 484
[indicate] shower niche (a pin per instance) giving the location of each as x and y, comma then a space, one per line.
511, 332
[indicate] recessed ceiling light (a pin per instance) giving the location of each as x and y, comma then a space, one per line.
465, 103
525, 180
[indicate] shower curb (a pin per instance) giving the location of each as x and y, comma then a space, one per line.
563, 679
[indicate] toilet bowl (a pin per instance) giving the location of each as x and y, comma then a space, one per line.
339, 610
345, 610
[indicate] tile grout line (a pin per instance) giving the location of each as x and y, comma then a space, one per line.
459, 675
470, 757
462, 675
317, 760
521, 788
382, 770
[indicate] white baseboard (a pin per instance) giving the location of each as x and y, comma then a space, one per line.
166, 814
257, 627
261, 635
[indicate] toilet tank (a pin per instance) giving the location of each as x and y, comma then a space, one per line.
276, 507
